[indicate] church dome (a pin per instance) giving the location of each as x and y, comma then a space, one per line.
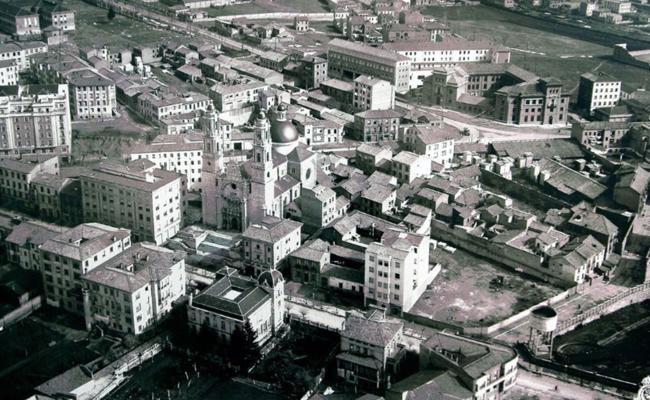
270, 278
283, 131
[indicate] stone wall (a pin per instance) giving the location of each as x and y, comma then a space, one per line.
530, 195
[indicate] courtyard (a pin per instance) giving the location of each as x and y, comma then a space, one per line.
473, 292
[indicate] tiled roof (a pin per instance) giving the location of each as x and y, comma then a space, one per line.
372, 330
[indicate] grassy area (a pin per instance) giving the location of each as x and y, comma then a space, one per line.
601, 347
94, 29
465, 292
266, 6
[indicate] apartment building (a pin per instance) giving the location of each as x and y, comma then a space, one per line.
400, 32
372, 94
397, 271
157, 105
598, 91
577, 260
132, 291
318, 131
8, 72
237, 96
532, 103
350, 59
23, 243
92, 95
19, 20
16, 176
267, 244
54, 14
407, 166
234, 300
434, 142
601, 135
56, 198
68, 256
370, 345
318, 206
425, 56
179, 153
138, 196
368, 157
376, 125
34, 119
314, 71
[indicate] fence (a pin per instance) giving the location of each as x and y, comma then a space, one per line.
635, 294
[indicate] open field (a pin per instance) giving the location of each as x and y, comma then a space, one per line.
616, 345
266, 6
94, 29
462, 292
543, 52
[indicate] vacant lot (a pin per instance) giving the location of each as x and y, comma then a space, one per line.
616, 345
94, 30
466, 292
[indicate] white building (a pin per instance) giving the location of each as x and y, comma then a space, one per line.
598, 91
407, 166
148, 201
318, 131
159, 105
318, 206
267, 244
8, 72
21, 52
131, 292
427, 55
436, 143
179, 153
372, 94
74, 253
233, 301
397, 271
92, 95
35, 119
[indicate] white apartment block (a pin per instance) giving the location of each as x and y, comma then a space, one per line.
8, 72
158, 105
236, 97
67, 257
436, 143
92, 95
598, 91
134, 290
35, 119
148, 201
266, 245
318, 131
16, 177
21, 52
179, 153
397, 271
427, 55
407, 166
372, 94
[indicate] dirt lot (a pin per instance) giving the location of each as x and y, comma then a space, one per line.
463, 292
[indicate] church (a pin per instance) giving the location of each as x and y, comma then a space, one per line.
238, 194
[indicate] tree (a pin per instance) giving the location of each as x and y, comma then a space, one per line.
111, 14
244, 351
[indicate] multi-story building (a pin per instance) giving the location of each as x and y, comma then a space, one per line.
23, 243
598, 91
407, 166
601, 135
376, 125
236, 102
397, 271
157, 105
301, 23
265, 246
54, 14
56, 198
318, 206
91, 94
34, 119
16, 176
179, 153
577, 260
532, 103
425, 56
350, 59
233, 301
307, 263
148, 201
131, 292
436, 143
370, 156
373, 94
314, 71
8, 72
369, 348
18, 19
318, 131
401, 32
21, 52
72, 254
